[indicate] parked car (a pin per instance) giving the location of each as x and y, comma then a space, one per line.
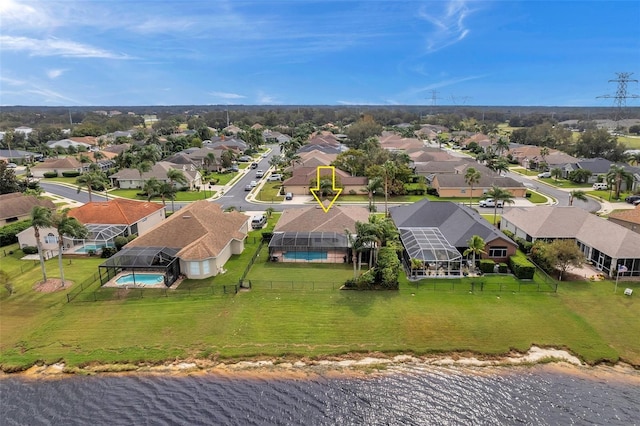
259, 173
257, 222
289, 196
274, 177
244, 159
631, 199
544, 175
600, 185
490, 202
248, 187
253, 184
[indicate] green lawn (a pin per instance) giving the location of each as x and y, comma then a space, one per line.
524, 171
223, 178
585, 317
270, 192
180, 195
565, 183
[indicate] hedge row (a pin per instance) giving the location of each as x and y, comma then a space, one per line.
521, 266
8, 233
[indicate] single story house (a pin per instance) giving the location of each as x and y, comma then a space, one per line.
310, 235
18, 156
16, 206
131, 178
105, 221
630, 219
599, 167
455, 185
58, 165
202, 236
66, 143
604, 243
301, 181
437, 233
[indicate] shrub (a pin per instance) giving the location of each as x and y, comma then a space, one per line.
107, 252
91, 252
432, 191
120, 242
508, 233
71, 173
50, 174
8, 233
266, 236
132, 237
503, 268
30, 250
487, 266
521, 266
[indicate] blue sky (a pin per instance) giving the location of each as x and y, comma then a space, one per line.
335, 52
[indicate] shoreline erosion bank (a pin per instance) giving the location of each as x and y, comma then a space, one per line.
349, 365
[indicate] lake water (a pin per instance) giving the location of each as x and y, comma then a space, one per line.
406, 395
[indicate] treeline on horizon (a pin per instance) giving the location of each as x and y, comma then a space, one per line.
217, 116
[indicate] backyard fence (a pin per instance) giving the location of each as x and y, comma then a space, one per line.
481, 285
294, 285
111, 293
22, 269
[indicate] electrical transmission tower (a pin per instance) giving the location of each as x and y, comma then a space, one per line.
434, 100
621, 96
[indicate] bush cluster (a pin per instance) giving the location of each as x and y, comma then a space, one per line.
71, 173
50, 174
8, 233
487, 266
30, 250
522, 268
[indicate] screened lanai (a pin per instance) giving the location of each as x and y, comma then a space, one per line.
428, 245
328, 247
161, 260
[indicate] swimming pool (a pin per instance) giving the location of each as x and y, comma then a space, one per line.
305, 255
94, 247
140, 279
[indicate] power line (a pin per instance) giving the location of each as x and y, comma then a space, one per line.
621, 96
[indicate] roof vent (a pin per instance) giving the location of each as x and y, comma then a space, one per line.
186, 216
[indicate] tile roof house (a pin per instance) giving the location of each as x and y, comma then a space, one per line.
394, 142
438, 232
58, 165
105, 221
66, 143
310, 235
601, 166
455, 185
302, 178
130, 178
630, 219
18, 156
17, 206
204, 236
604, 243
528, 156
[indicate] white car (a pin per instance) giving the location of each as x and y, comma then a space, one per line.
544, 175
259, 173
253, 184
490, 202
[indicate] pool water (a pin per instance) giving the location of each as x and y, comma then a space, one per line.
140, 279
94, 247
306, 255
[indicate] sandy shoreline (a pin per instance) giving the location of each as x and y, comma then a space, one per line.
552, 360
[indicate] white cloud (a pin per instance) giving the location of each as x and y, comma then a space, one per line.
225, 95
266, 99
56, 47
449, 24
11, 81
20, 15
53, 74
51, 96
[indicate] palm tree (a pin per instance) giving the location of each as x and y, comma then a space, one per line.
210, 160
269, 211
40, 218
544, 152
616, 175
475, 247
175, 175
70, 227
151, 188
472, 176
502, 146
166, 190
91, 180
372, 186
499, 195
556, 172
634, 158
142, 167
577, 194
390, 171
416, 264
353, 241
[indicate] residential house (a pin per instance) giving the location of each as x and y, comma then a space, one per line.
131, 178
67, 143
58, 165
529, 156
437, 233
392, 141
202, 236
630, 218
226, 143
309, 234
304, 177
599, 167
455, 185
26, 131
16, 206
482, 140
604, 243
18, 156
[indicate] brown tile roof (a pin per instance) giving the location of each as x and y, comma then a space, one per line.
630, 216
59, 163
314, 219
448, 180
200, 230
17, 204
90, 140
158, 170
119, 211
303, 175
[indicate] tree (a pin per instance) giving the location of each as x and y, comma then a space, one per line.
502, 146
175, 175
544, 152
66, 226
40, 218
372, 186
471, 177
616, 175
499, 195
91, 181
579, 175
353, 241
142, 167
226, 158
475, 246
556, 172
166, 190
361, 130
416, 265
563, 254
599, 143
151, 188
269, 211
210, 161
8, 181
577, 195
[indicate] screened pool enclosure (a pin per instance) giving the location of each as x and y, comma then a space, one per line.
428, 245
324, 247
142, 259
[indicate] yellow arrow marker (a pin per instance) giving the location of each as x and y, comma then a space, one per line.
316, 191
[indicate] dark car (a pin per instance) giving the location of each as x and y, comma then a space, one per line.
632, 199
254, 165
